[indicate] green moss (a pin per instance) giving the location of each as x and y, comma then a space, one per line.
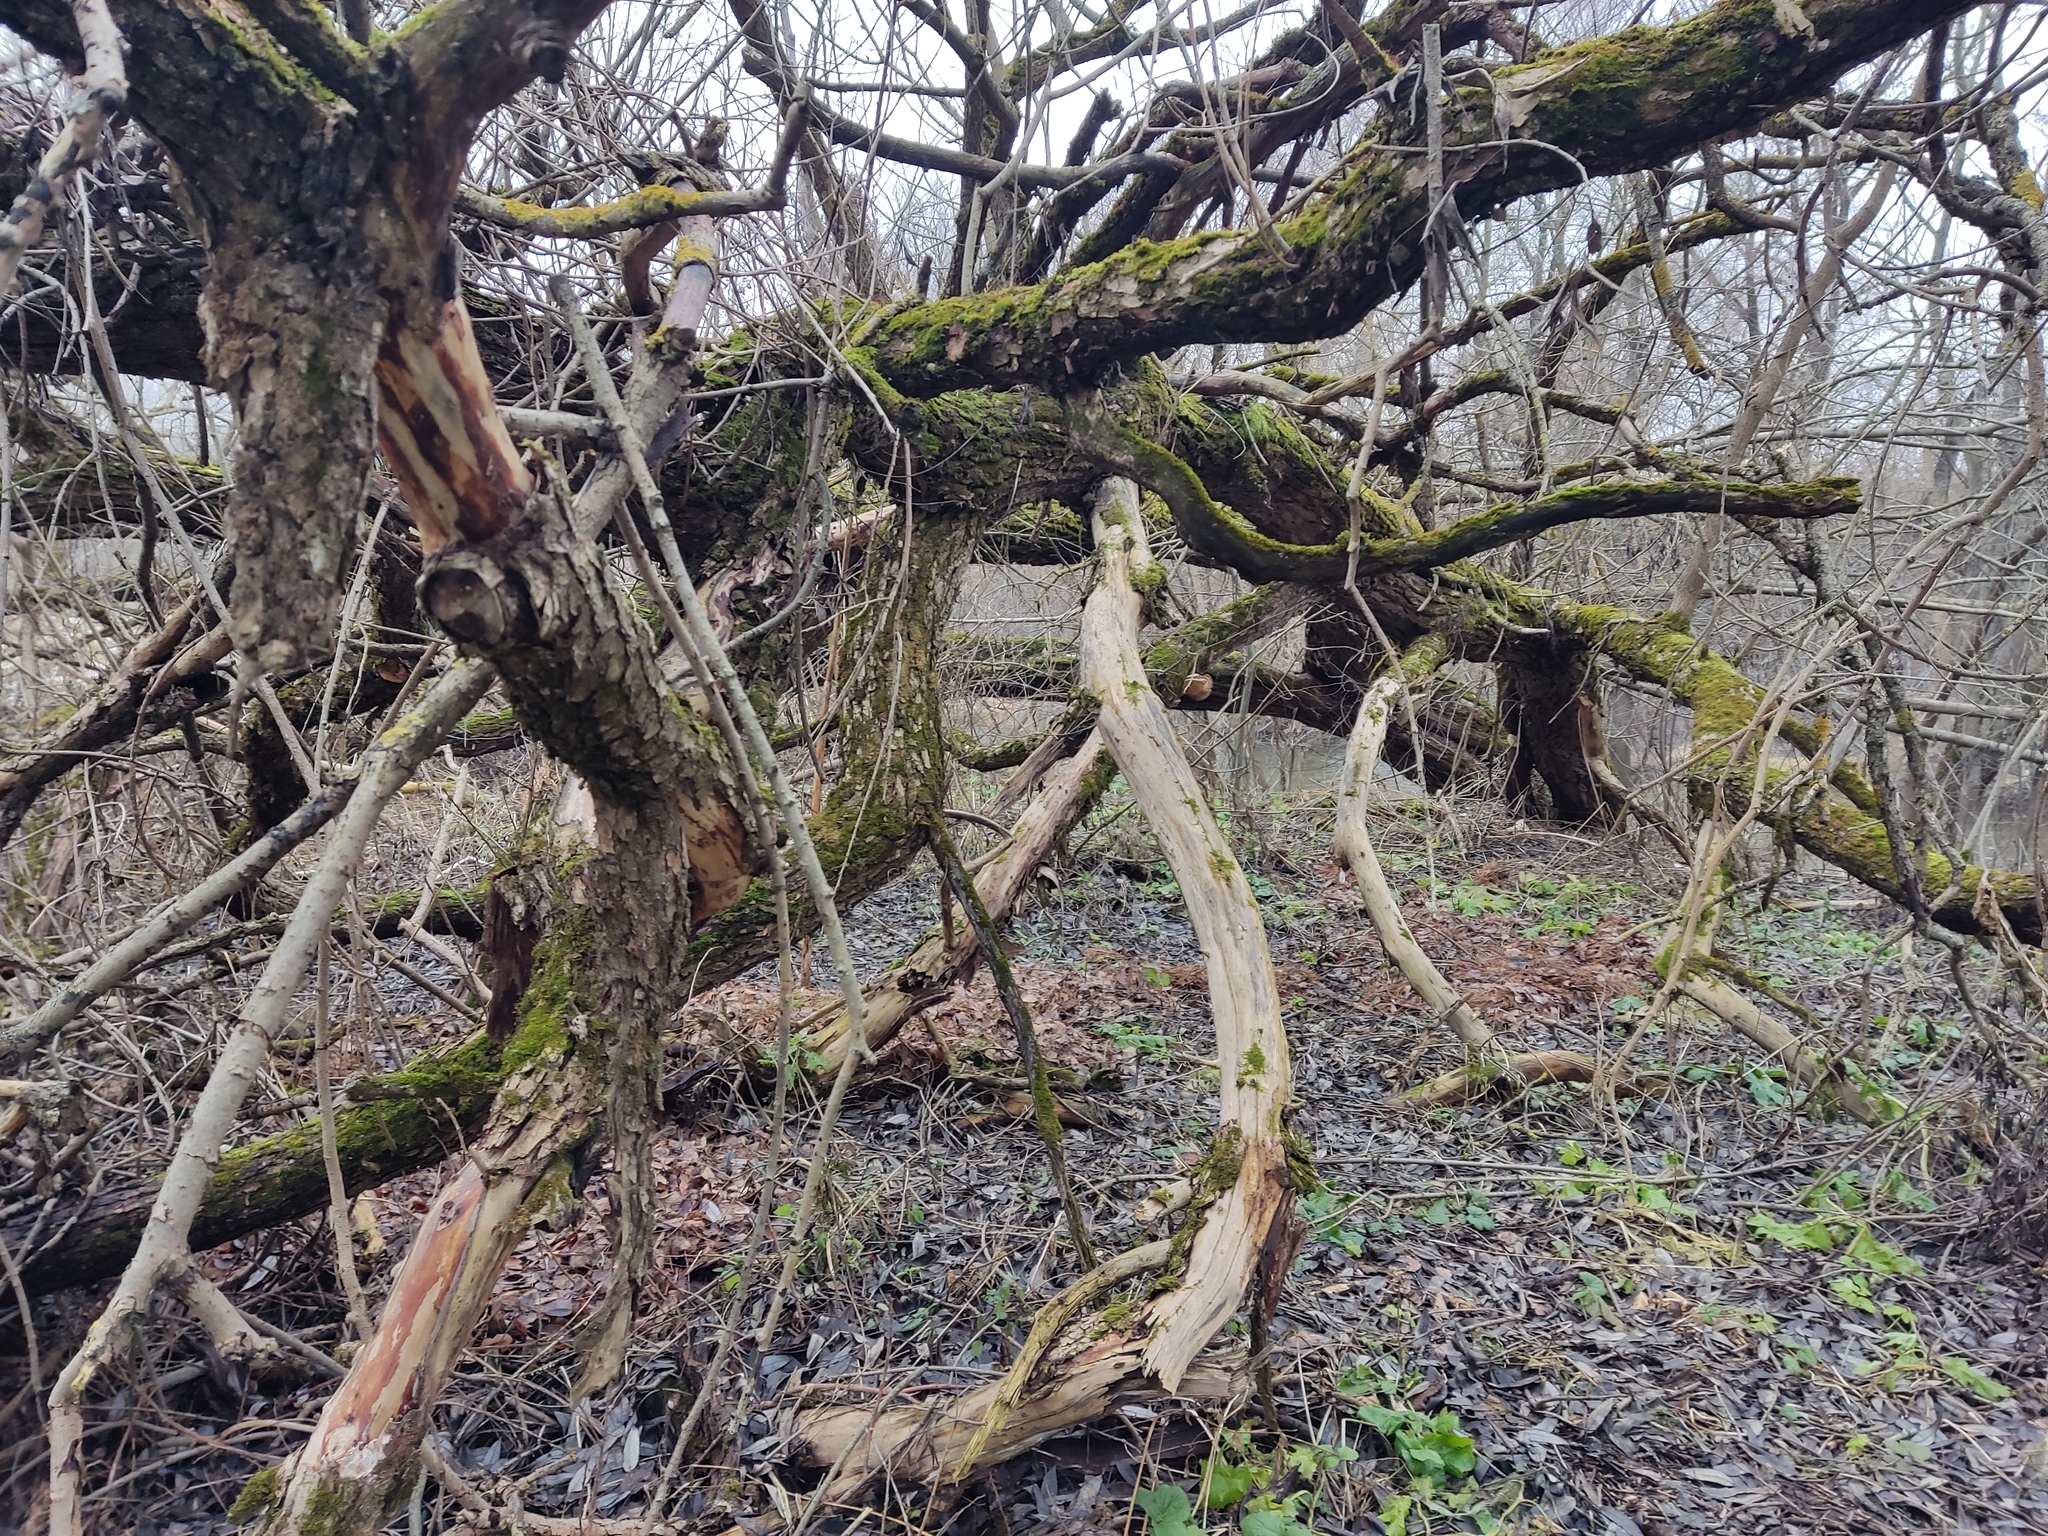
1218, 1169
555, 1003
1252, 1067
258, 1497
258, 52
327, 1508
552, 1201
1301, 1161
1208, 525
383, 1112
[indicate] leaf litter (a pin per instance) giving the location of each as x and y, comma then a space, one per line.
1538, 1315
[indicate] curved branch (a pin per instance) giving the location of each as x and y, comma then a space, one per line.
1362, 242
1833, 496
646, 207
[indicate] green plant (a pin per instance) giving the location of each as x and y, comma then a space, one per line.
1168, 1511
1972, 1380
1572, 906
1359, 1379
1878, 1256
1278, 1517
1317, 1459
1326, 1211
1161, 885
1227, 1483
1766, 1086
1840, 1190
1794, 1359
1651, 1197
1816, 1236
1469, 900
802, 1062
1002, 1298
1128, 1035
1469, 1209
1904, 1193
1433, 1447
1591, 1298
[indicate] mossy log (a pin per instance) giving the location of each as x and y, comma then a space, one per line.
390, 1124
1624, 102
1838, 822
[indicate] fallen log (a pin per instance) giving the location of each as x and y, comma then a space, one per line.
392, 1124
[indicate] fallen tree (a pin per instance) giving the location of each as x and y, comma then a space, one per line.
325, 172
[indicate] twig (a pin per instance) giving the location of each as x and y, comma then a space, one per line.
646, 207
330, 1154
169, 921
386, 767
102, 93
1045, 1108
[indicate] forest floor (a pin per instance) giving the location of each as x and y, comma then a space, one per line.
1698, 1305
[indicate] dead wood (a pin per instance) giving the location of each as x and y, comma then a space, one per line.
1241, 1233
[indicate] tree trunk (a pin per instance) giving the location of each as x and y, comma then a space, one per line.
1550, 709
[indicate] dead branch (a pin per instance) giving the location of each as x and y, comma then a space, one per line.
386, 767
102, 93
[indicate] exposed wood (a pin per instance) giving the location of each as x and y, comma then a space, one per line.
1249, 1226
441, 433
387, 766
1243, 1234
1354, 846
1781, 1045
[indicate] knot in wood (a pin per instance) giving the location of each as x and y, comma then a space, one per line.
469, 597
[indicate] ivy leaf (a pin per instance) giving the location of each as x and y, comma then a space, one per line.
1272, 1522
1229, 1482
1168, 1510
